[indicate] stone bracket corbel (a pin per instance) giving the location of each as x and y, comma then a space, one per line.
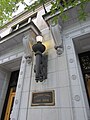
56, 31
59, 49
27, 49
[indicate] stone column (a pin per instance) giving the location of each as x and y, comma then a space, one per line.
19, 111
17, 101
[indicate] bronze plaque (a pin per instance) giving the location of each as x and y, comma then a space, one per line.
46, 98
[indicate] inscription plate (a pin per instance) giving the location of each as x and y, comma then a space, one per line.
46, 98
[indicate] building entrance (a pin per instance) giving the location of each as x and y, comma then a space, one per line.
8, 104
85, 66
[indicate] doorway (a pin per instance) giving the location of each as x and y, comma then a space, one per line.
85, 66
9, 100
10, 103
82, 50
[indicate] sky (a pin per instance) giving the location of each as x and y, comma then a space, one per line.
21, 7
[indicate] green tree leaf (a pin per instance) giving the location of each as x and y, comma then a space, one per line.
7, 7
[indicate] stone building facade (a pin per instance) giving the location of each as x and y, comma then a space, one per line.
64, 72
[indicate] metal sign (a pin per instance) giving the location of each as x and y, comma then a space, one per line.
46, 98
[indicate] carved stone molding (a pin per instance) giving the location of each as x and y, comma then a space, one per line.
74, 77
77, 97
28, 59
